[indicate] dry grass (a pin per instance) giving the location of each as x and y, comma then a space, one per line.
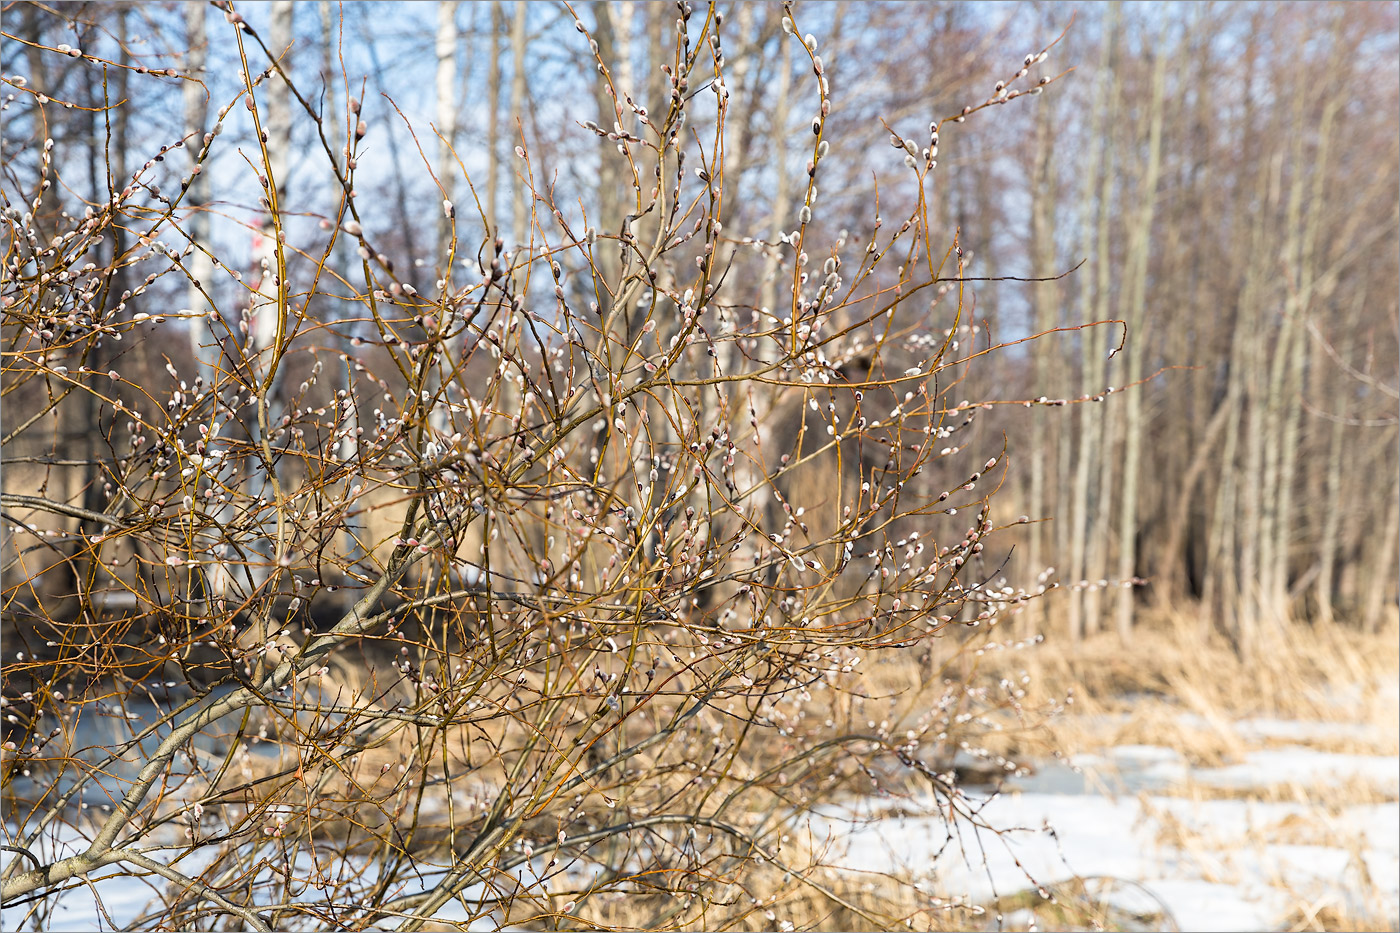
818, 899
1327, 917
1162, 689
762, 898
1137, 693
1350, 905
1306, 673
1080, 904
1171, 688
1175, 686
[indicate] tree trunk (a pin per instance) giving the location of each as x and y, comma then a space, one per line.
1097, 185
1331, 524
1169, 585
1333, 503
445, 46
607, 214
1261, 436
519, 216
279, 144
493, 119
196, 120
1381, 578
1297, 310
1136, 316
781, 212
1104, 433
1046, 296
348, 449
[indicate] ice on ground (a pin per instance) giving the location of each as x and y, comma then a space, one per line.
1215, 864
1125, 769
1218, 864
1378, 824
100, 902
1299, 765
104, 903
1301, 731
1092, 838
112, 898
1146, 754
1213, 882
1205, 905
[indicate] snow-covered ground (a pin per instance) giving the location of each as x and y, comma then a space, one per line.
1128, 822
1202, 863
110, 899
102, 902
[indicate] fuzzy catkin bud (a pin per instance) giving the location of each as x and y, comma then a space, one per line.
787, 25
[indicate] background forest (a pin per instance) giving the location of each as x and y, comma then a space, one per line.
1224, 172
601, 380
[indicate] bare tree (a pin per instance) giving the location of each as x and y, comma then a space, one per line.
570, 643
1135, 318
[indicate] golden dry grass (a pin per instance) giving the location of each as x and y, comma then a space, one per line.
1325, 918
1176, 687
1164, 688
1171, 686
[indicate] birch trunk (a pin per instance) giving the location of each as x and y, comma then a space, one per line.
782, 185
1381, 578
1333, 504
1298, 312
493, 119
269, 295
519, 216
1103, 432
606, 216
1096, 175
1136, 317
445, 47
1046, 296
1260, 436
279, 129
196, 120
